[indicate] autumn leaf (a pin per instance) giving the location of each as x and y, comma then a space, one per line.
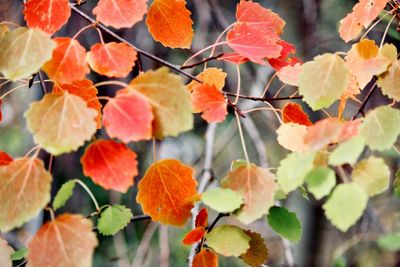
228, 240
68, 63
86, 91
167, 192
170, 100
291, 136
112, 59
390, 81
110, 164
286, 57
202, 218
5, 253
61, 123
24, 191
257, 254
5, 159
209, 100
72, 240
293, 112
194, 236
47, 15
120, 13
234, 58
23, 52
205, 258
169, 23
323, 133
290, 74
128, 116
256, 185
211, 76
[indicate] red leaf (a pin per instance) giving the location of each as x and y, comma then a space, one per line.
112, 59
202, 218
205, 258
210, 101
194, 236
47, 15
120, 13
5, 159
284, 59
234, 58
128, 116
110, 164
293, 112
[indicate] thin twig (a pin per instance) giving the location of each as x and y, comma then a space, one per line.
364, 102
201, 62
263, 99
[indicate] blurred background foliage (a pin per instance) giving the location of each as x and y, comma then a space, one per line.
312, 25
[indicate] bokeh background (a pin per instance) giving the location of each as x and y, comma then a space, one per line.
312, 25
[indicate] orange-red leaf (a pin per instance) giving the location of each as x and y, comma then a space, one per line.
128, 116
167, 192
5, 159
47, 15
120, 13
169, 23
234, 58
205, 258
194, 236
110, 164
208, 99
285, 58
293, 112
322, 133
212, 76
66, 241
86, 91
202, 218
68, 63
111, 59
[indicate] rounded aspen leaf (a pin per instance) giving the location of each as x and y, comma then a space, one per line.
322, 133
209, 100
169, 23
257, 254
25, 190
222, 200
167, 192
61, 123
5, 159
68, 63
347, 152
110, 164
112, 59
47, 15
228, 240
128, 116
293, 112
211, 76
120, 13
390, 81
170, 100
66, 241
290, 74
323, 80
113, 219
5, 254
23, 52
291, 136
194, 236
257, 187
285, 223
205, 258
320, 181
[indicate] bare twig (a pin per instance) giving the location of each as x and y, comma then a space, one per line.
364, 102
263, 99
201, 62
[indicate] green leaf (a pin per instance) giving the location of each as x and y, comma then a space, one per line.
63, 194
222, 200
340, 262
323, 80
320, 181
238, 163
347, 152
372, 175
228, 240
19, 254
396, 184
285, 223
381, 128
293, 170
114, 219
390, 242
346, 205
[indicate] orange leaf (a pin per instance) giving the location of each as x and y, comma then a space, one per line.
5, 159
322, 133
86, 91
202, 218
293, 112
47, 15
128, 116
120, 13
110, 164
169, 22
210, 101
205, 258
68, 63
112, 59
212, 76
167, 192
66, 241
194, 236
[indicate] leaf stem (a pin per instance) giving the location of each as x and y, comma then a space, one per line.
242, 137
89, 193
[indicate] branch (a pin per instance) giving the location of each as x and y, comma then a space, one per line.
263, 99
201, 62
140, 51
365, 101
140, 218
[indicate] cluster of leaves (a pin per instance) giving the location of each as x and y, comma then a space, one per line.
157, 104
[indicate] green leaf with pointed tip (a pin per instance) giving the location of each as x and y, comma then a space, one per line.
19, 254
396, 184
347, 152
293, 170
228, 240
222, 199
285, 223
320, 181
372, 175
381, 128
390, 242
323, 80
114, 219
346, 205
63, 195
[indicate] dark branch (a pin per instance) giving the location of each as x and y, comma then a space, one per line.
201, 62
219, 217
365, 101
264, 99
140, 218
42, 84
